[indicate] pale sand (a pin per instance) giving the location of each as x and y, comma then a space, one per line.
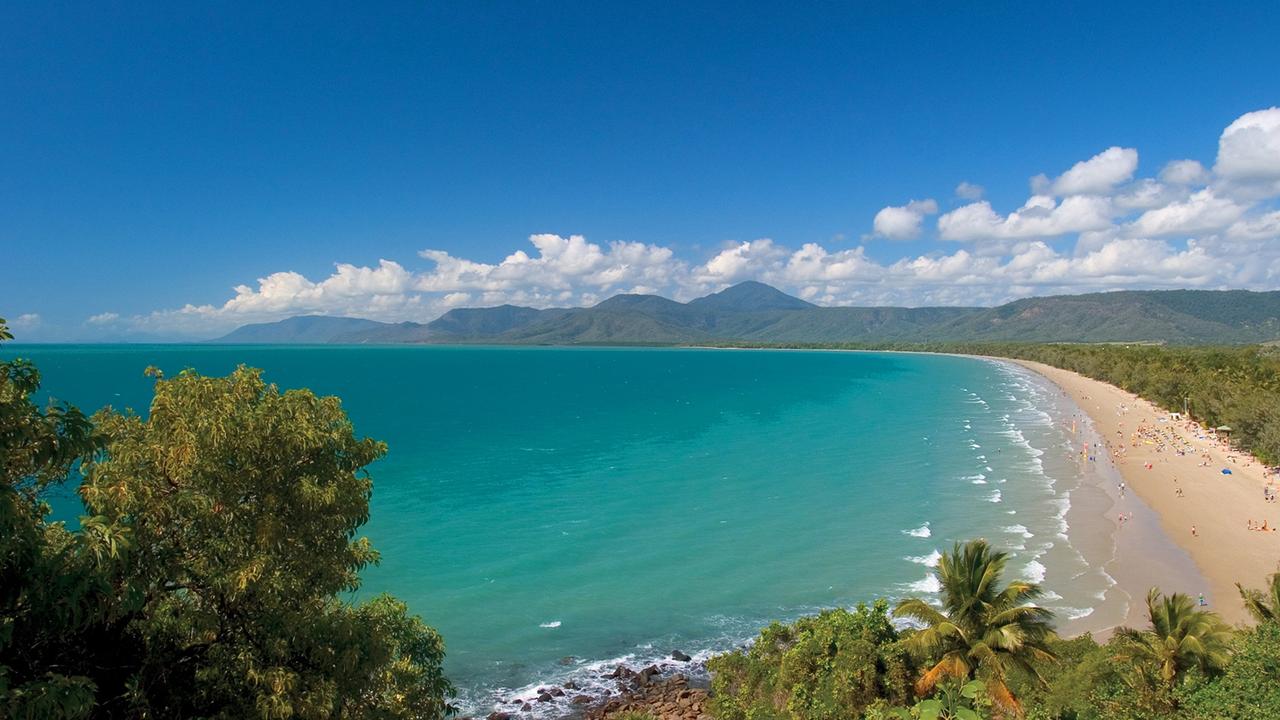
1219, 506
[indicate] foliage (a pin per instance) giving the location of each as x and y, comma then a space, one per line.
205, 580
953, 701
1263, 605
1182, 637
833, 665
984, 630
1249, 689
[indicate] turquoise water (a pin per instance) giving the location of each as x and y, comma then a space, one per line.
554, 510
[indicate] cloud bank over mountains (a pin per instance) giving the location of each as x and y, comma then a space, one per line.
1095, 226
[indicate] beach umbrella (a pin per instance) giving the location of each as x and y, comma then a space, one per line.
1226, 471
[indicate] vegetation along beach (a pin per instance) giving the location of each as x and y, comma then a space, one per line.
639, 361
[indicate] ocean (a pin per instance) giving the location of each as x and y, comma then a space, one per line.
555, 511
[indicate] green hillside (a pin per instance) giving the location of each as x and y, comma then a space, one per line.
754, 312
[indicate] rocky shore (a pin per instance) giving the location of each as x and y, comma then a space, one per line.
667, 691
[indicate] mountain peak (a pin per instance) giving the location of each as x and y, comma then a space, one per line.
750, 296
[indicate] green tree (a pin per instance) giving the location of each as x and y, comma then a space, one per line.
830, 666
1249, 689
1181, 638
205, 580
984, 630
54, 584
1263, 605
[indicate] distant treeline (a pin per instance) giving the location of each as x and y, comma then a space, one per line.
1237, 386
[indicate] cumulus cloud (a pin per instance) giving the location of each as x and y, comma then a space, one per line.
1094, 227
1099, 174
1041, 216
1184, 172
1249, 148
903, 222
969, 191
1200, 213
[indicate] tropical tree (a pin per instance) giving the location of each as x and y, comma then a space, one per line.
54, 584
985, 629
1263, 605
207, 578
825, 667
1182, 637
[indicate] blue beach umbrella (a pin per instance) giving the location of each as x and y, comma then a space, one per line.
1226, 471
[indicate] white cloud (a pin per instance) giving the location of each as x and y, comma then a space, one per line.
1146, 194
1202, 212
903, 222
969, 191
105, 318
1184, 172
1249, 148
25, 321
1099, 174
1040, 217
739, 262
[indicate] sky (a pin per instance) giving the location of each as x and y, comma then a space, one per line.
174, 172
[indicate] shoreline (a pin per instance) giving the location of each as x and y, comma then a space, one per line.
1175, 469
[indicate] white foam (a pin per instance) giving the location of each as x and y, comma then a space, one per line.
1075, 613
929, 584
995, 497
1034, 572
1019, 530
552, 624
922, 531
930, 560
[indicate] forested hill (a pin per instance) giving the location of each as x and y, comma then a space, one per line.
757, 313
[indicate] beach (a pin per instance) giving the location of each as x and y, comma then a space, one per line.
1183, 489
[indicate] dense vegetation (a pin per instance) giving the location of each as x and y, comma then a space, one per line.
204, 580
989, 652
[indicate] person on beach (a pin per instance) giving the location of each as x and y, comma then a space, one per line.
1193, 532
1202, 602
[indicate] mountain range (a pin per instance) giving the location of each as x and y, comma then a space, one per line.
757, 313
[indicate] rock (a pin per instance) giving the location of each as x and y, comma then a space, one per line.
567, 660
680, 657
555, 692
580, 700
499, 716
571, 685
526, 707
544, 697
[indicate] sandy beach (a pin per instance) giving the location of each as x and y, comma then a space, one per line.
1175, 468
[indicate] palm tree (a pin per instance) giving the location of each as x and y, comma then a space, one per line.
1181, 637
1263, 605
983, 629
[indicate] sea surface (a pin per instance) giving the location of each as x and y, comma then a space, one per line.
555, 511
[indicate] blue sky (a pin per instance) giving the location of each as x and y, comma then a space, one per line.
395, 160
